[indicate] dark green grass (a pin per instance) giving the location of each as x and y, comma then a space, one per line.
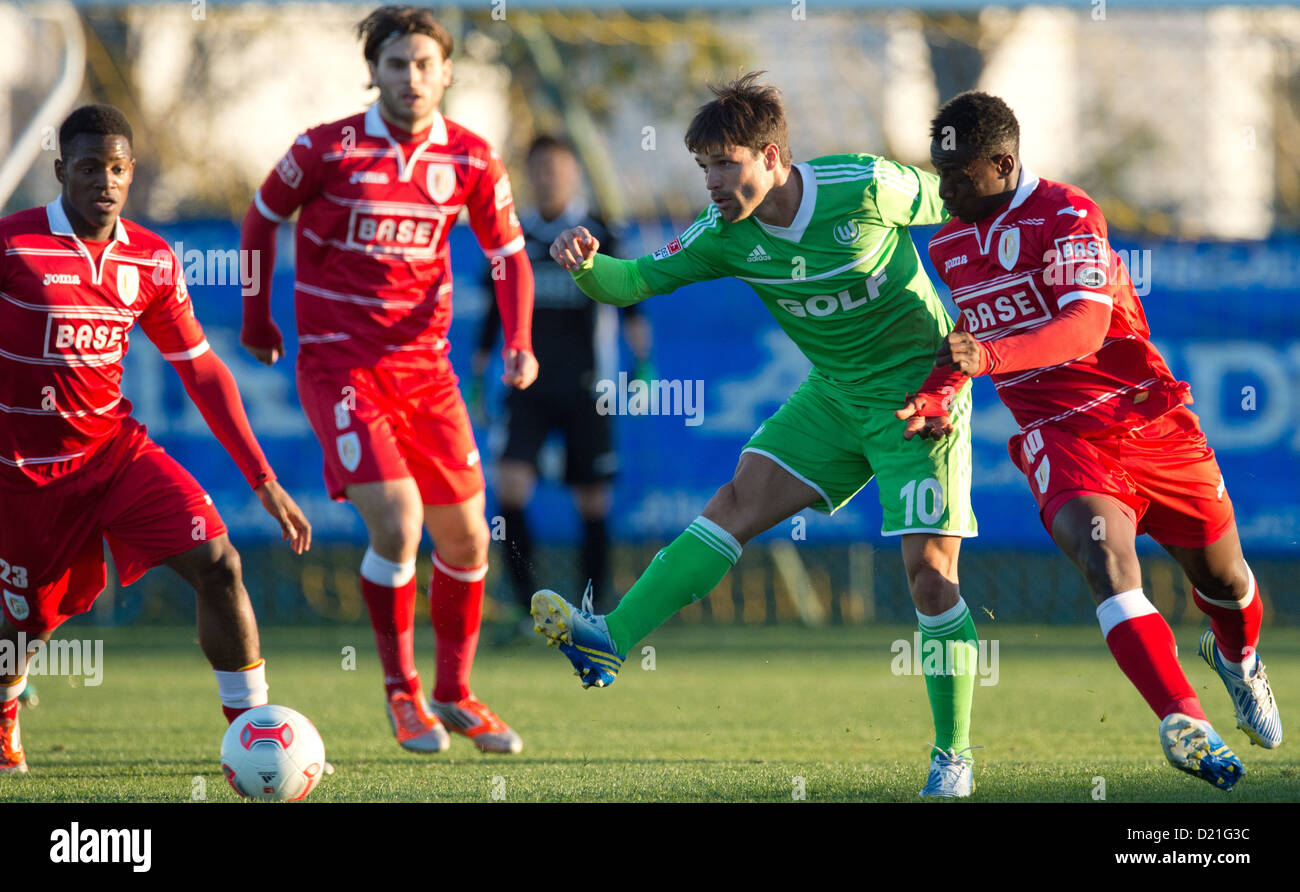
730, 714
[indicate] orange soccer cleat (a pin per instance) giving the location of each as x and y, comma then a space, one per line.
472, 718
416, 730
12, 758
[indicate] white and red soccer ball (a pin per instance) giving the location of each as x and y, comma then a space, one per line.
272, 752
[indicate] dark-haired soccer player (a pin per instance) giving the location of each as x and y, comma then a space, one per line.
825, 246
378, 193
75, 467
1106, 442
571, 334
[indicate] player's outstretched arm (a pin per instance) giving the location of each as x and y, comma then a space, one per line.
605, 279
259, 334
210, 385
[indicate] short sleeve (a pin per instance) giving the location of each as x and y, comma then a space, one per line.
492, 215
292, 183
902, 195
169, 320
694, 256
1079, 263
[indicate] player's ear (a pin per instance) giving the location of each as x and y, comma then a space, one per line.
59, 170
446, 73
374, 74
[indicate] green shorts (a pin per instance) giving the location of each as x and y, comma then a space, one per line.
836, 448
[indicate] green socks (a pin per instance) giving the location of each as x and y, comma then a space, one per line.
685, 571
950, 689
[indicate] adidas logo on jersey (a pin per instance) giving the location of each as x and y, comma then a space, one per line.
757, 255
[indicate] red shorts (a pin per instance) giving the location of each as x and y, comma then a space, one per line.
51, 538
1164, 475
382, 424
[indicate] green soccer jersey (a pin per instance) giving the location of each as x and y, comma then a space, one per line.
843, 280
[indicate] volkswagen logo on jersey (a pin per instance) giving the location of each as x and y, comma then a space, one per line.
441, 180
846, 232
128, 283
1009, 248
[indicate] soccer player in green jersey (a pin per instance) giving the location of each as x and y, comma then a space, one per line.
825, 246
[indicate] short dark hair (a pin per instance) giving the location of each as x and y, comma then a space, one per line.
396, 21
104, 120
548, 143
743, 113
982, 123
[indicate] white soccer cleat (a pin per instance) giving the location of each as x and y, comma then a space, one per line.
1252, 698
952, 775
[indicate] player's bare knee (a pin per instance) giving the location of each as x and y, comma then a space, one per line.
932, 591
221, 574
1109, 569
727, 510
1230, 583
468, 548
396, 538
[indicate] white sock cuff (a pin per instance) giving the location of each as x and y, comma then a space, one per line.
382, 571
472, 574
714, 536
243, 688
1122, 607
948, 617
13, 691
1232, 605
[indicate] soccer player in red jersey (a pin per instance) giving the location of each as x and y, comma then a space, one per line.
378, 193
1106, 441
75, 467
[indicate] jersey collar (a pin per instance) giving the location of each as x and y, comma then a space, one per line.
1025, 187
794, 232
57, 217
376, 126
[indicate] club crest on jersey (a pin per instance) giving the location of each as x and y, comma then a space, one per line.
441, 180
846, 232
17, 605
1009, 248
349, 446
128, 283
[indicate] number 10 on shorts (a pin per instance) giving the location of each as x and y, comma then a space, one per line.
926, 496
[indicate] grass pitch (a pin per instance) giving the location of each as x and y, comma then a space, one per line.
726, 714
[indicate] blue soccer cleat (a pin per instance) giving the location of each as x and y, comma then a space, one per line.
1192, 745
1252, 698
581, 636
952, 775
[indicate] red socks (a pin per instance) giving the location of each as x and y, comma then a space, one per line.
1235, 624
456, 607
1143, 646
389, 591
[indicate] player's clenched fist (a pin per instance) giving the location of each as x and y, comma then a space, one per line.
574, 247
961, 352
521, 369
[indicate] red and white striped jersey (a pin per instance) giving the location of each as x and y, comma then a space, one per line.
1014, 272
65, 323
373, 275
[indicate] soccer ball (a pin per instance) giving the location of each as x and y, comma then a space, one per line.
272, 752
